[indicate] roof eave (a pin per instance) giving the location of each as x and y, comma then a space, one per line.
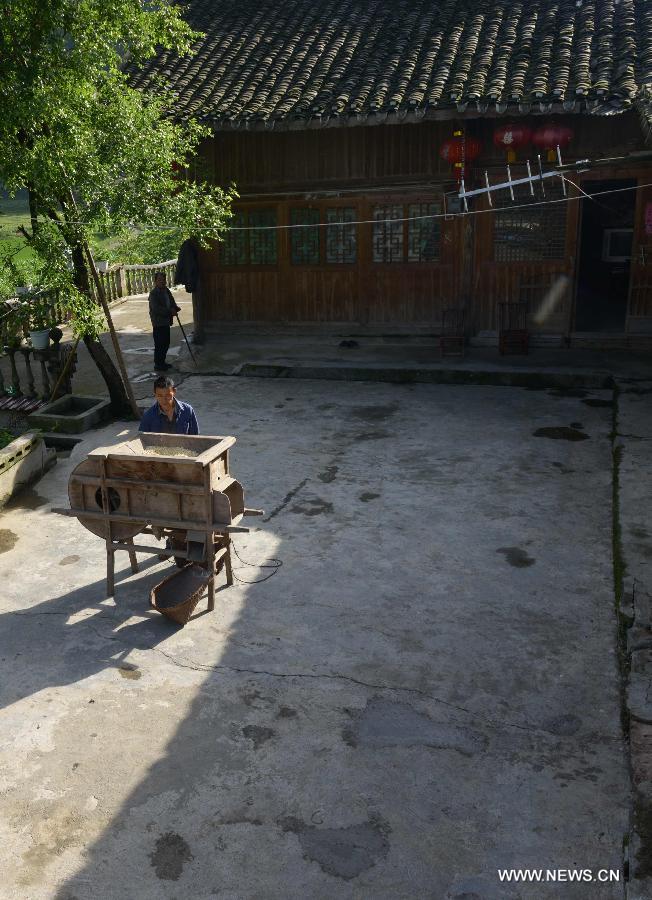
465, 110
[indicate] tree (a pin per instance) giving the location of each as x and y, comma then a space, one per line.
94, 153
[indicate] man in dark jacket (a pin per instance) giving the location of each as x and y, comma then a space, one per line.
161, 311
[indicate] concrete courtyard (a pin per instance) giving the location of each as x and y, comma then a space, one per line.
424, 692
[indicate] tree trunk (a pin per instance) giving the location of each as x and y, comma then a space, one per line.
120, 405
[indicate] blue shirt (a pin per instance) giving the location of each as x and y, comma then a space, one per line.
184, 420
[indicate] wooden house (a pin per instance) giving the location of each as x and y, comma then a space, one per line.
333, 118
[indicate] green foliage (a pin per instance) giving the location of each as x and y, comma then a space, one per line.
15, 270
192, 210
96, 154
48, 274
6, 437
86, 317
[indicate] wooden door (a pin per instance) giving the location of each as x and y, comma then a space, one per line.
639, 307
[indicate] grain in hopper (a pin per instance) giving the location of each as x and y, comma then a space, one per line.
171, 486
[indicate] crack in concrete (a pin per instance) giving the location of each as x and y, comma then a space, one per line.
286, 500
334, 676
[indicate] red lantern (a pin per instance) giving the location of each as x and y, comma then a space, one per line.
511, 137
551, 136
459, 151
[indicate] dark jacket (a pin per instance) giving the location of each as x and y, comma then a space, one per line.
161, 306
187, 271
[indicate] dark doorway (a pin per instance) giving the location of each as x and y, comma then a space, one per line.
606, 236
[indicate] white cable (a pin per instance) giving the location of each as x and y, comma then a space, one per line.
476, 212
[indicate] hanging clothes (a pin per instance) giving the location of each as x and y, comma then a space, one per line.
187, 270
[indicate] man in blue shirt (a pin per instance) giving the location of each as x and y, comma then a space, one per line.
167, 414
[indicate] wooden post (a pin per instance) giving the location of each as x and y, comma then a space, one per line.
132, 555
210, 537
114, 336
211, 566
66, 366
198, 324
227, 560
110, 552
110, 564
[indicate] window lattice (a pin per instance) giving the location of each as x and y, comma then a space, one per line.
304, 241
530, 234
235, 242
341, 242
424, 235
387, 235
251, 247
262, 243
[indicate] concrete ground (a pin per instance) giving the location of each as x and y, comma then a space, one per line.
634, 496
426, 690
301, 354
132, 324
282, 352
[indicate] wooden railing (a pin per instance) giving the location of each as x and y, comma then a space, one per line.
118, 282
123, 281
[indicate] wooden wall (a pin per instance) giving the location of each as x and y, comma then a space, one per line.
639, 318
361, 167
364, 293
262, 162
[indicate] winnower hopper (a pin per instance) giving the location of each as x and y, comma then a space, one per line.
172, 486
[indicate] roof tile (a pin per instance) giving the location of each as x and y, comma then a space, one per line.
261, 61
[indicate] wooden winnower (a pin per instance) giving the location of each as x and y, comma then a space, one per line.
175, 487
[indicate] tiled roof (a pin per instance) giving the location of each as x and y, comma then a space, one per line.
300, 63
644, 103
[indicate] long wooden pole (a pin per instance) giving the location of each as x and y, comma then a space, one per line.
114, 336
107, 312
71, 356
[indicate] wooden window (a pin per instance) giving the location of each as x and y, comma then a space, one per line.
304, 241
387, 235
235, 242
262, 243
256, 246
341, 240
424, 235
538, 233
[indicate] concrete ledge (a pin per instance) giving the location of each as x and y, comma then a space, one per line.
60, 441
499, 377
22, 462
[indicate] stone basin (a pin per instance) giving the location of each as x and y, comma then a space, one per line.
72, 414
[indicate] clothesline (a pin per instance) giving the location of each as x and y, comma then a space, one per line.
425, 216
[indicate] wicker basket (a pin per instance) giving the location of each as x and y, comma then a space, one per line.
177, 595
